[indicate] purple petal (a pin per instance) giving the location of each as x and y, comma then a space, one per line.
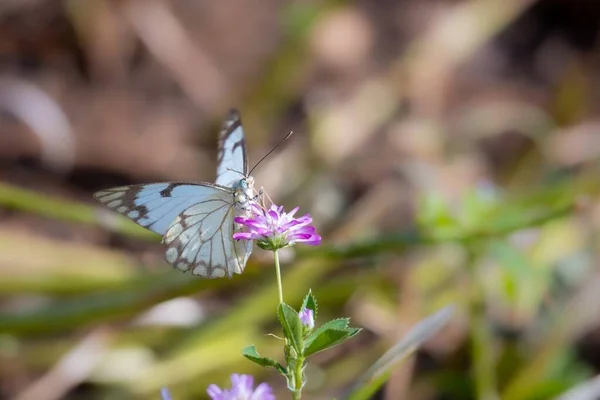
313, 241
263, 392
256, 225
307, 318
276, 209
164, 394
274, 216
242, 388
299, 236
293, 212
307, 230
248, 236
249, 221
240, 220
306, 218
215, 392
289, 225
242, 385
253, 221
301, 223
243, 236
309, 239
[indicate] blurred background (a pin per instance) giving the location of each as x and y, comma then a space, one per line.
448, 151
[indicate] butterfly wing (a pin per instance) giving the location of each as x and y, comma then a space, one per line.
232, 162
200, 240
155, 206
195, 220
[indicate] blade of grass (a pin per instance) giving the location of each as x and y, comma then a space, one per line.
379, 372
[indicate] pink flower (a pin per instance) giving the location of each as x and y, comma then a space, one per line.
274, 229
242, 388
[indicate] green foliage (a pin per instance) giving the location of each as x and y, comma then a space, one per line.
301, 342
306, 342
328, 335
251, 354
292, 327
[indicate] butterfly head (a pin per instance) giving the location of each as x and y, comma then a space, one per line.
246, 183
243, 193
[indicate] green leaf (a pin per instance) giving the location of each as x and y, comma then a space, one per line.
328, 335
292, 327
338, 323
311, 302
379, 372
251, 354
328, 338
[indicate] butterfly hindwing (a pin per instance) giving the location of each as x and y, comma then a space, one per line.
232, 163
200, 240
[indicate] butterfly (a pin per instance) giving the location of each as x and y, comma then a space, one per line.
196, 219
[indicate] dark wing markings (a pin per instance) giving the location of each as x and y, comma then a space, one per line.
180, 246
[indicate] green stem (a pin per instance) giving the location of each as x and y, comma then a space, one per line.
278, 271
297, 393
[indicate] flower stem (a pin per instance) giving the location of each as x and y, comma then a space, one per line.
278, 271
297, 393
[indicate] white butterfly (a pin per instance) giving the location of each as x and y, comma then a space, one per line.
196, 219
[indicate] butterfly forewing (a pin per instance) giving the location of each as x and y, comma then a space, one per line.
154, 206
231, 158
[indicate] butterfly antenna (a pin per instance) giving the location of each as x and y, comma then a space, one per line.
272, 150
236, 171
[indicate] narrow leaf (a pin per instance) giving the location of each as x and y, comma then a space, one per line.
292, 327
380, 371
251, 354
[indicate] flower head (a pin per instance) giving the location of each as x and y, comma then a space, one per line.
242, 388
307, 318
164, 394
274, 229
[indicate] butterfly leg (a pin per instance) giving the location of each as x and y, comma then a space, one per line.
260, 194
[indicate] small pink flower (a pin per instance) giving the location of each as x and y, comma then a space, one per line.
307, 318
274, 229
242, 388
